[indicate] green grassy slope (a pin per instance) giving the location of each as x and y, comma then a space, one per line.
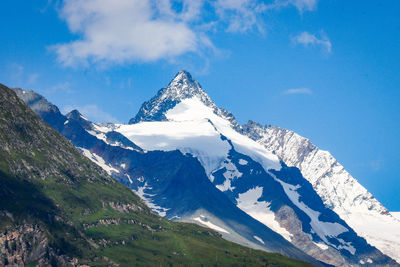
58, 208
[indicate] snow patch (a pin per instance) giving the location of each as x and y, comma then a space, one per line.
243, 162
99, 161
98, 135
322, 246
260, 210
322, 229
147, 198
231, 173
83, 117
259, 239
129, 178
204, 221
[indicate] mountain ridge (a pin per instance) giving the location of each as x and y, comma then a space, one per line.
140, 171
58, 208
175, 110
338, 189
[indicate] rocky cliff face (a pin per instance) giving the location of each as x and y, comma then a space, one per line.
25, 243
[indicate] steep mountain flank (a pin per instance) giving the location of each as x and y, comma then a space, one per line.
58, 208
337, 188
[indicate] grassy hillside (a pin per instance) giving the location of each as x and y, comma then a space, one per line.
58, 208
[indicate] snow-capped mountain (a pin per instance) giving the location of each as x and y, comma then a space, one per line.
191, 161
165, 181
337, 188
183, 86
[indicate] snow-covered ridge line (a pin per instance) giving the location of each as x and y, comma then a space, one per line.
193, 127
337, 188
192, 132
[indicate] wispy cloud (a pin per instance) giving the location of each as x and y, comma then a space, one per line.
17, 71
304, 5
240, 15
20, 77
307, 39
32, 78
301, 5
376, 165
298, 91
92, 112
64, 87
131, 31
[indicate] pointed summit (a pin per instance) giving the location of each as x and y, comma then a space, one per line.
76, 116
183, 86
38, 103
183, 76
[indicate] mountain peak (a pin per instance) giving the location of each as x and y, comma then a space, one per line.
38, 103
182, 76
74, 114
181, 87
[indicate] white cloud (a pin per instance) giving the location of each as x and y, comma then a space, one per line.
298, 91
132, 31
126, 31
308, 39
92, 112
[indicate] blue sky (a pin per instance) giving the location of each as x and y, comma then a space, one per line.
327, 69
